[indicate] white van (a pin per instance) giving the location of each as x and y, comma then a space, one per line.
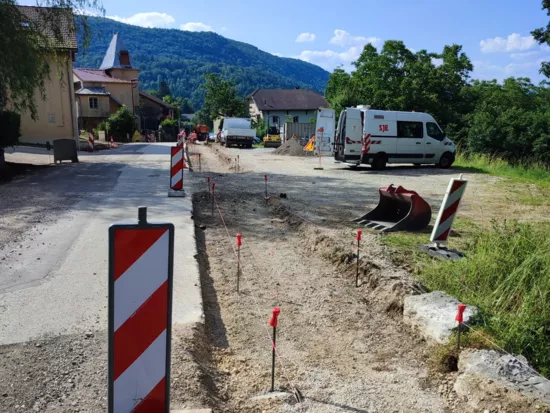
379, 137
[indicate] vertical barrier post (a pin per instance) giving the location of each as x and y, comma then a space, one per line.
208, 186
265, 179
140, 315
213, 186
239, 244
273, 323
460, 319
358, 239
200, 166
238, 163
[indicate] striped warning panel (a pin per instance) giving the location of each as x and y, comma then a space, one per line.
176, 169
447, 213
140, 285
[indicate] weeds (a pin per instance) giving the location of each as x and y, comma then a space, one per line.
534, 172
507, 276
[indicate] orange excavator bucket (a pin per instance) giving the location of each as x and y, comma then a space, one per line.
398, 210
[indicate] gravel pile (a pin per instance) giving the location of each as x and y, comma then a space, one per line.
292, 147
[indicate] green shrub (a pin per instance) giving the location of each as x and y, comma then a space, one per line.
10, 130
121, 123
102, 126
507, 275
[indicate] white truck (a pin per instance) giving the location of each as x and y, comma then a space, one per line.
379, 137
237, 132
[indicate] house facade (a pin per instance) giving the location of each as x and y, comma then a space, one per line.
277, 106
153, 111
101, 92
56, 117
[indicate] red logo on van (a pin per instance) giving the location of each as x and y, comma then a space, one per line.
383, 128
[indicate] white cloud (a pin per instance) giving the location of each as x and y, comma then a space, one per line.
84, 12
196, 27
487, 71
151, 19
437, 62
344, 39
512, 43
277, 54
329, 59
525, 55
305, 37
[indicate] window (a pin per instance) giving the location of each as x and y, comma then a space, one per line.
410, 130
124, 58
434, 132
296, 119
275, 119
93, 103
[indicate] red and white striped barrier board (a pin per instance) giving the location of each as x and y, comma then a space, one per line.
180, 140
140, 310
113, 146
448, 210
91, 142
176, 169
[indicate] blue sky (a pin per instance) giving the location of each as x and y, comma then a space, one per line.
494, 34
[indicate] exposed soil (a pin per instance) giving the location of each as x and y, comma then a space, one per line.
343, 348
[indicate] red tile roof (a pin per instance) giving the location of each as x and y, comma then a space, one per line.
96, 75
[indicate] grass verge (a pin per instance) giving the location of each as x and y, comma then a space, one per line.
506, 274
532, 172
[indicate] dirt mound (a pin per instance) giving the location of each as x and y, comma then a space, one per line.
292, 147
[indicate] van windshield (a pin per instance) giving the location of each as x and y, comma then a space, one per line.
434, 131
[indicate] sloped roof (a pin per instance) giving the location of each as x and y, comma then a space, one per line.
46, 18
93, 91
288, 99
156, 100
112, 56
96, 75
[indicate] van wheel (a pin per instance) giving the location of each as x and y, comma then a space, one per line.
379, 162
446, 161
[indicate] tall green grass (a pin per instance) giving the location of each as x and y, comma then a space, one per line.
534, 172
507, 276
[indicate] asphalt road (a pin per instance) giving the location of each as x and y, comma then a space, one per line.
54, 238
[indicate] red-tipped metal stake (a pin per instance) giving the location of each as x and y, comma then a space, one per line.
239, 244
265, 179
213, 186
200, 166
460, 319
273, 323
208, 186
358, 239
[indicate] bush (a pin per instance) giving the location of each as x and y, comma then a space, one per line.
121, 123
102, 126
507, 275
10, 130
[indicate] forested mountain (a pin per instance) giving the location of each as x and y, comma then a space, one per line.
182, 58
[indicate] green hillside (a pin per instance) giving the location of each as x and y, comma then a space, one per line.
182, 58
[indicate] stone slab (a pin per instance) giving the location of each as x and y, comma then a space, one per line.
433, 315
